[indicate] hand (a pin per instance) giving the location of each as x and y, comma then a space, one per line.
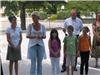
65, 54
98, 38
17, 47
78, 54
38, 37
64, 30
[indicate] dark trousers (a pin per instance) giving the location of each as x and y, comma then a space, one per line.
84, 62
1, 70
64, 63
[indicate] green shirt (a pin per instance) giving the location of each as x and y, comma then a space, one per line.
70, 42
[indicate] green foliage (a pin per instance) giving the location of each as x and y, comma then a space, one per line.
42, 15
62, 14
11, 7
84, 5
53, 17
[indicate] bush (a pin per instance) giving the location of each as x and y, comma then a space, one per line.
63, 14
43, 15
53, 17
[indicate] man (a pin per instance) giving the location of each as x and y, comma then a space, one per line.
77, 25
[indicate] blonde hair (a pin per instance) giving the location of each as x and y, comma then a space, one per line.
35, 13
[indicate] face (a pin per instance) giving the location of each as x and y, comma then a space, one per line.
35, 18
13, 22
70, 32
54, 34
85, 31
98, 16
73, 14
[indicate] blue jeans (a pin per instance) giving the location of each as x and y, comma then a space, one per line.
55, 62
36, 56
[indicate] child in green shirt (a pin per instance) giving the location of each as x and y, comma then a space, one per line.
70, 47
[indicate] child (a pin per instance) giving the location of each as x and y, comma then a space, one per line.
84, 48
54, 49
70, 47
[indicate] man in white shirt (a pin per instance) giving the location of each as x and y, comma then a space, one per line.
77, 24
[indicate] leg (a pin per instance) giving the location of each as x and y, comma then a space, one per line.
33, 67
72, 63
64, 64
1, 70
82, 63
86, 62
16, 67
75, 69
33, 60
67, 69
96, 63
39, 59
57, 66
53, 65
68, 63
72, 70
10, 67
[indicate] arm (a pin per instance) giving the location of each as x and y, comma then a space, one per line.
20, 41
9, 40
94, 32
49, 45
64, 49
81, 26
44, 33
77, 47
90, 42
65, 46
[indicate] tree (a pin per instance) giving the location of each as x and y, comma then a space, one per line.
13, 7
84, 6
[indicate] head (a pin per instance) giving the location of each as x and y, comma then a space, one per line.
70, 30
12, 20
98, 16
54, 33
85, 30
35, 17
73, 13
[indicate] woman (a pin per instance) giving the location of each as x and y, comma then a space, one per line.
96, 38
14, 38
36, 33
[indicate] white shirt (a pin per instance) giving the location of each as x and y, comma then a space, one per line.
14, 35
76, 23
31, 31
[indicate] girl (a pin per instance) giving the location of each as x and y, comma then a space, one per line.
14, 38
54, 48
84, 48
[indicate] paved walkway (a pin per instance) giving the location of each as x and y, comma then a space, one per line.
24, 65
24, 68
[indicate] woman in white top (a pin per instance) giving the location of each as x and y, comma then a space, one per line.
36, 33
14, 38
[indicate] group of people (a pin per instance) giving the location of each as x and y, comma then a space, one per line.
74, 44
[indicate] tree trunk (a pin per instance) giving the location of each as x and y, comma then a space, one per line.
22, 17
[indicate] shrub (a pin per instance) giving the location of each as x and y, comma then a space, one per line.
63, 14
43, 15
